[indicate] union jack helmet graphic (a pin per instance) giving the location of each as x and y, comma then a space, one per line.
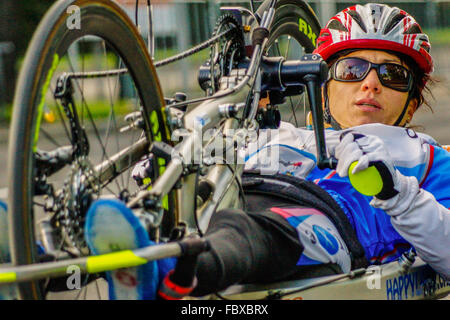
375, 26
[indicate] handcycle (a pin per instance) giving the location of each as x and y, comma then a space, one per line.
64, 153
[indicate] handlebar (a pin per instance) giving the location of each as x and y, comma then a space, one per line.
279, 74
292, 77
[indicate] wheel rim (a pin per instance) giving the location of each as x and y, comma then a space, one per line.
101, 106
287, 40
294, 109
108, 101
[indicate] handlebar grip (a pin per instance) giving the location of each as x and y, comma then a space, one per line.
281, 74
292, 72
368, 182
193, 246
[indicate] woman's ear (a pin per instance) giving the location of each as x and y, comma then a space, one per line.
326, 102
412, 107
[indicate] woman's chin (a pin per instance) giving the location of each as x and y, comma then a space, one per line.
358, 122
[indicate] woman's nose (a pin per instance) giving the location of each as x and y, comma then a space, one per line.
371, 82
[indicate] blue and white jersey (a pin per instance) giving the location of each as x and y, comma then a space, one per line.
290, 150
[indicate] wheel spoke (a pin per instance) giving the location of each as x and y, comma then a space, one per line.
277, 47
286, 55
92, 122
97, 288
133, 139
50, 138
111, 118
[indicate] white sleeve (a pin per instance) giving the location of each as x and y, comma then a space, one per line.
422, 221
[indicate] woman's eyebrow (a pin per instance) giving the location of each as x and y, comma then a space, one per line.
383, 61
391, 60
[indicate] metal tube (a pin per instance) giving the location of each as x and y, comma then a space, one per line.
151, 39
121, 161
92, 264
165, 182
257, 94
220, 177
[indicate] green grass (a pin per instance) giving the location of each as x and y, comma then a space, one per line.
99, 109
439, 36
102, 108
5, 113
90, 62
196, 59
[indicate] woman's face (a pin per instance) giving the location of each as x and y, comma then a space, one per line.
368, 101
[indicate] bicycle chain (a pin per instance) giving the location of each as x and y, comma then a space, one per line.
222, 55
182, 55
226, 18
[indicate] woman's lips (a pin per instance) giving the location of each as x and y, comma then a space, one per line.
369, 105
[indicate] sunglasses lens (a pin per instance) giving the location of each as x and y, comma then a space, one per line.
351, 69
391, 75
394, 76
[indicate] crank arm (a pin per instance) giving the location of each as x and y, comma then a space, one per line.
51, 162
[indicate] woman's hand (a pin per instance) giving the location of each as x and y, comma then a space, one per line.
365, 151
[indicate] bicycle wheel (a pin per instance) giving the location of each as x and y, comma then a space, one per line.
86, 70
293, 33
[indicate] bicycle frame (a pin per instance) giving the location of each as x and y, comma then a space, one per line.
386, 282
208, 115
205, 116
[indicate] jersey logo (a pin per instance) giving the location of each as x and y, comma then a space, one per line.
326, 239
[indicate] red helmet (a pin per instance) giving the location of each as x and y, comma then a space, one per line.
375, 26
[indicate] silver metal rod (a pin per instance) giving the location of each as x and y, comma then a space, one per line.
91, 264
166, 182
163, 184
121, 161
257, 94
151, 38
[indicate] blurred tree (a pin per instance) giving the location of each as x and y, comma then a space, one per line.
18, 21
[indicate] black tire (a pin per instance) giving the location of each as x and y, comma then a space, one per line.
297, 20
105, 21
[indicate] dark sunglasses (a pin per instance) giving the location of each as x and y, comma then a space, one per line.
391, 75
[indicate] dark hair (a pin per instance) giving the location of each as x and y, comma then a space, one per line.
422, 81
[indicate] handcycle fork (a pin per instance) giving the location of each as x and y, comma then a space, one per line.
63, 92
